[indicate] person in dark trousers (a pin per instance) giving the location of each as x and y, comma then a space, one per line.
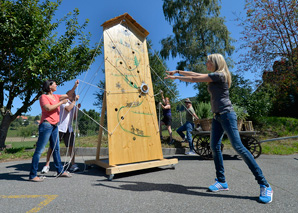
167, 116
224, 120
188, 126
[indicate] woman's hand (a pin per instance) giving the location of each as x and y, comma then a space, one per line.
64, 101
77, 83
172, 72
171, 77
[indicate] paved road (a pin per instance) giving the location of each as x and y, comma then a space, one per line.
182, 189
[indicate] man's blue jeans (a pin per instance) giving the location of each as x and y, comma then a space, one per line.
188, 127
47, 132
227, 122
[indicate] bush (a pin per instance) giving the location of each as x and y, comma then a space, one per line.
240, 112
203, 110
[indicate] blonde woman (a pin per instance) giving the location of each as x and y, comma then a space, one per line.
224, 120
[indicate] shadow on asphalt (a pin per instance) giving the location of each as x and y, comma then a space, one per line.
93, 170
197, 157
25, 167
172, 188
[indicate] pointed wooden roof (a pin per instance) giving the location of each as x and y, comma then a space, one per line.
128, 19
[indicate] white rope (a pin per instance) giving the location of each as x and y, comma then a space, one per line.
93, 78
93, 57
163, 80
159, 117
72, 154
92, 85
110, 92
151, 96
94, 121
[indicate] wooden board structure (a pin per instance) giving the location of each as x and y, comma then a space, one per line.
134, 139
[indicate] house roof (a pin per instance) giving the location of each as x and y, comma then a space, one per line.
23, 117
126, 17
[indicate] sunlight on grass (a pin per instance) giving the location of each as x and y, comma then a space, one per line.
280, 147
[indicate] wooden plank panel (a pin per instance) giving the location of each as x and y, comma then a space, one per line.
131, 114
139, 166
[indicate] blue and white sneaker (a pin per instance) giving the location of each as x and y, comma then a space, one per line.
217, 186
191, 152
266, 194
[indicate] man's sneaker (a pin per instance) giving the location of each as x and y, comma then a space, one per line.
217, 186
266, 194
191, 153
74, 168
45, 170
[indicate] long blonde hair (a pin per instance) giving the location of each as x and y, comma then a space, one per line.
220, 66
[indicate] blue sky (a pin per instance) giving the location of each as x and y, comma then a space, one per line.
148, 14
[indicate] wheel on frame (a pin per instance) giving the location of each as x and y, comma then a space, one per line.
253, 145
110, 178
202, 146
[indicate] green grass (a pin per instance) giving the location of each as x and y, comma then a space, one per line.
25, 144
286, 147
277, 127
15, 154
18, 151
12, 133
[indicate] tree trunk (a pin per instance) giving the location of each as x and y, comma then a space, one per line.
3, 129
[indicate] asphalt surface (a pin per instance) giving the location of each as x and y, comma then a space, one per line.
183, 189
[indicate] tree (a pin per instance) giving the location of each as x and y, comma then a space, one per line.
284, 81
270, 34
26, 122
27, 131
85, 124
31, 51
37, 117
271, 37
158, 68
198, 31
240, 91
260, 103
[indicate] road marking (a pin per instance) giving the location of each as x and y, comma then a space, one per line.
48, 199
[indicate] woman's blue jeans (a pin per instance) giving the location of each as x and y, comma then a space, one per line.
227, 122
47, 132
188, 127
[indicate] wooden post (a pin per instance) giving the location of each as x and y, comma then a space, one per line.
102, 118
